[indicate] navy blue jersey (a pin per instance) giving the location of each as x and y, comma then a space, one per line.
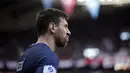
38, 58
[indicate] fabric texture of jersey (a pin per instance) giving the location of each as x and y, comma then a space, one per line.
38, 58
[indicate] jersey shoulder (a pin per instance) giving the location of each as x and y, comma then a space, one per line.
32, 56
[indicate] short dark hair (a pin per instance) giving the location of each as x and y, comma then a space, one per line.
47, 16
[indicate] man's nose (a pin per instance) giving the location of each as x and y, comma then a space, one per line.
68, 32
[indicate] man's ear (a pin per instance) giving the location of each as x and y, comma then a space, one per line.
52, 27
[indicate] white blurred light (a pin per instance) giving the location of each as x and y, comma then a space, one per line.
109, 0
124, 35
80, 0
102, 0
118, 2
66, 63
80, 63
118, 66
107, 61
11, 64
93, 7
91, 52
87, 0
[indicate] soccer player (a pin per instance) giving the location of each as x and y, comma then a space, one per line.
53, 32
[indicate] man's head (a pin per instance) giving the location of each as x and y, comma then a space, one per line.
53, 22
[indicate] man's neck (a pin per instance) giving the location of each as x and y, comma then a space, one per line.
48, 40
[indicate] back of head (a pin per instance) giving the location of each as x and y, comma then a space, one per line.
46, 16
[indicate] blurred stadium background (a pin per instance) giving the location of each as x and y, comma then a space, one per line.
100, 40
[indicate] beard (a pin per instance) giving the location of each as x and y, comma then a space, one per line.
61, 42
